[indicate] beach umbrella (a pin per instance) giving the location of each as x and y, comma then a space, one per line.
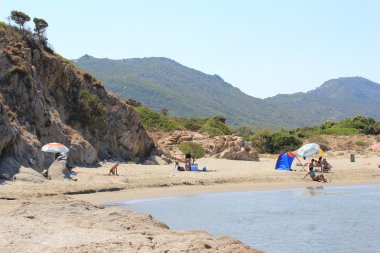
309, 150
375, 146
55, 148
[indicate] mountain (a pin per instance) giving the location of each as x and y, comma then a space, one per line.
43, 99
334, 100
163, 83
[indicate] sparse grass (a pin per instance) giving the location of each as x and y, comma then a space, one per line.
360, 143
340, 131
65, 60
3, 25
18, 70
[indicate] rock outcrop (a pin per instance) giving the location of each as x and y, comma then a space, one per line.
227, 147
40, 102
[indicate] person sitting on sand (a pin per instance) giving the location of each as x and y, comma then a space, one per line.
176, 166
318, 163
326, 166
113, 169
314, 177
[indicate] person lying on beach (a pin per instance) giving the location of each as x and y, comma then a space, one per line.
314, 177
113, 169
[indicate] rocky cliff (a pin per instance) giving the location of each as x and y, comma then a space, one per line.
44, 98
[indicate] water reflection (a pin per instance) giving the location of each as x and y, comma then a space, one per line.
313, 191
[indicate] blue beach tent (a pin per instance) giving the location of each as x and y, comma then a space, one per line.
285, 160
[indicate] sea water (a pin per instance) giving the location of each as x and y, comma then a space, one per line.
322, 219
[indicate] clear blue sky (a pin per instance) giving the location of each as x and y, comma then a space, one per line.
263, 47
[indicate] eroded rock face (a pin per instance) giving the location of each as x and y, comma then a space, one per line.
226, 147
39, 104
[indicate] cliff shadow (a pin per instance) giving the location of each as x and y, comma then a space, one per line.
9, 167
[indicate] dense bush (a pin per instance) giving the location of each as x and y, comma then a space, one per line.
192, 124
215, 127
188, 147
275, 142
245, 131
92, 110
373, 129
152, 119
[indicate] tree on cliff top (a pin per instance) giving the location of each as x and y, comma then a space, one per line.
19, 18
40, 27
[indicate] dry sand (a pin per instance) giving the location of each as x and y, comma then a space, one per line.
52, 217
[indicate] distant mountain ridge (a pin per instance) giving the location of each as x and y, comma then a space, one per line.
163, 83
334, 100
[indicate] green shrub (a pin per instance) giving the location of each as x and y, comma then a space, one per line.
261, 139
192, 124
215, 127
3, 25
152, 119
327, 124
361, 143
274, 142
372, 128
92, 110
245, 131
188, 147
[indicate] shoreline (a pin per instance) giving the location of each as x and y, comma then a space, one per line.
103, 198
69, 211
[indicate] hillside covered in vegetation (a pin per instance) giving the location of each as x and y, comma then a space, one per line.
161, 83
265, 140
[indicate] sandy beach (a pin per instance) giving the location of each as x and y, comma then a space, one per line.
66, 204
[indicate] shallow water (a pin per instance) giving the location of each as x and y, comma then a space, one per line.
325, 219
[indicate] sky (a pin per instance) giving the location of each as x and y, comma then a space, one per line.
263, 47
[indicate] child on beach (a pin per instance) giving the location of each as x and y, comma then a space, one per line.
113, 169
